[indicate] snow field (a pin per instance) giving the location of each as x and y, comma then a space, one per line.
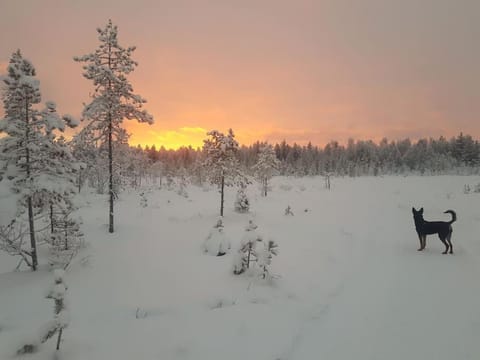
350, 284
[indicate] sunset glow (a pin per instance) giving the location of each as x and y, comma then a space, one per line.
170, 139
301, 71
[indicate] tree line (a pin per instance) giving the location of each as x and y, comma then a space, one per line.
460, 154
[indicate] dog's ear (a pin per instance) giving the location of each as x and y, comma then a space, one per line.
421, 211
413, 210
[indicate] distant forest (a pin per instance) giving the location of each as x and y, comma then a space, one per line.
460, 155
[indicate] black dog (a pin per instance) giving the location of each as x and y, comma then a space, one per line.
442, 228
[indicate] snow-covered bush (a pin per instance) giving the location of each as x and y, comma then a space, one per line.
216, 243
264, 257
477, 188
66, 238
246, 253
182, 183
182, 188
143, 200
242, 204
61, 317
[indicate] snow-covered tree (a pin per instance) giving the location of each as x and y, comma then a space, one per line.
60, 168
246, 253
216, 243
85, 150
113, 97
220, 160
242, 204
66, 237
61, 318
264, 257
35, 163
267, 166
182, 182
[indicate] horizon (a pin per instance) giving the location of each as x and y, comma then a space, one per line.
305, 72
320, 147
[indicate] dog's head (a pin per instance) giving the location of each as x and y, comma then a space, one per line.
417, 214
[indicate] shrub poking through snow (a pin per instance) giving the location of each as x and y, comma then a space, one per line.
66, 238
216, 243
327, 180
61, 316
466, 189
264, 257
182, 183
143, 200
246, 252
477, 188
242, 204
288, 211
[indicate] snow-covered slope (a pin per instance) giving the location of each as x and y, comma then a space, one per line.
350, 282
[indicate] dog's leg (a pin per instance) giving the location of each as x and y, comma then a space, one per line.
444, 243
421, 243
449, 236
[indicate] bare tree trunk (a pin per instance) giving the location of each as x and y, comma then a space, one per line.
33, 243
66, 232
110, 147
222, 195
51, 220
59, 338
110, 170
80, 180
31, 223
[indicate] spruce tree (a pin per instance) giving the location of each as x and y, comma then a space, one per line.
221, 161
23, 134
267, 165
242, 204
35, 164
113, 99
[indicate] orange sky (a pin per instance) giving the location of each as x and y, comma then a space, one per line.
271, 70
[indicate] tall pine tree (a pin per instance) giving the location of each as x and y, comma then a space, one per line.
113, 98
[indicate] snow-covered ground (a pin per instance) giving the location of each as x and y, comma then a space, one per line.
350, 282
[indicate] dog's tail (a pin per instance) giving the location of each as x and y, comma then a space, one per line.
454, 216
